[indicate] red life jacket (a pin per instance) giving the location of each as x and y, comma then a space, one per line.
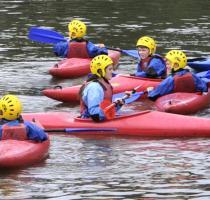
108, 92
145, 64
17, 132
78, 50
184, 83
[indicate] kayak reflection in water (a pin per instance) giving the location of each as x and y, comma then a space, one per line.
97, 90
77, 46
150, 65
12, 125
180, 80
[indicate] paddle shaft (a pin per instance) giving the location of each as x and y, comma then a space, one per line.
78, 130
114, 49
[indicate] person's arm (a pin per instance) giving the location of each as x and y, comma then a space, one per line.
139, 72
34, 132
201, 86
94, 50
0, 132
156, 68
61, 49
165, 87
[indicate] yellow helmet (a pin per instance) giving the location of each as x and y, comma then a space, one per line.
147, 42
176, 57
10, 106
77, 29
100, 63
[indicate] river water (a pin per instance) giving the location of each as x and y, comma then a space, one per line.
105, 168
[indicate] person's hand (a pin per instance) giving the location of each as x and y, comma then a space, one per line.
149, 89
101, 45
119, 102
128, 93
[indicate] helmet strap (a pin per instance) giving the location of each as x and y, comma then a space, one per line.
100, 72
105, 79
20, 119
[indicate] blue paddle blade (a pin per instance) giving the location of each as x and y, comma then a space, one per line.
131, 99
133, 53
134, 97
44, 35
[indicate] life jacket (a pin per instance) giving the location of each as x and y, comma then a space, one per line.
144, 65
17, 132
184, 83
78, 50
108, 92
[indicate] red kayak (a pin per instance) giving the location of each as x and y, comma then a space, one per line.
75, 67
183, 103
120, 83
142, 124
19, 153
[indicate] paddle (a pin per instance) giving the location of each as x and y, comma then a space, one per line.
195, 59
75, 130
132, 53
44, 35
204, 74
79, 130
109, 110
135, 95
49, 36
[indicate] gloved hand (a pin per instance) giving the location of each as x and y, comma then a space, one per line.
119, 102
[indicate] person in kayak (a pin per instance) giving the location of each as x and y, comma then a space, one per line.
180, 80
12, 125
150, 65
77, 46
97, 89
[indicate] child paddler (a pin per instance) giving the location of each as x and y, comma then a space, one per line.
77, 46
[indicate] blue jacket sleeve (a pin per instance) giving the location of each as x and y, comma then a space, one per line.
141, 74
61, 49
93, 50
165, 87
158, 65
156, 68
200, 84
34, 132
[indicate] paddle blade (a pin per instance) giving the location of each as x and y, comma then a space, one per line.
108, 108
44, 35
131, 99
134, 97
